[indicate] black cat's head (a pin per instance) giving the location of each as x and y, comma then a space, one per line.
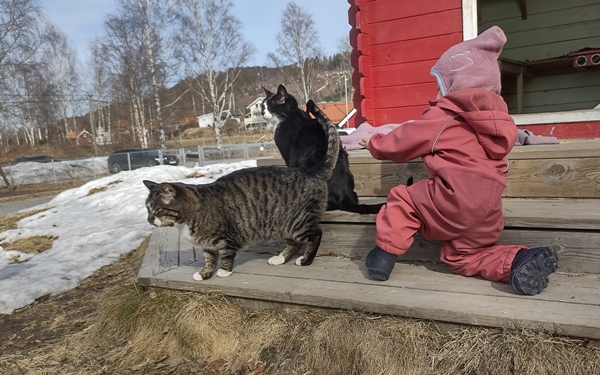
279, 104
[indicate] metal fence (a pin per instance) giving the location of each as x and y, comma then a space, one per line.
55, 171
203, 155
98, 166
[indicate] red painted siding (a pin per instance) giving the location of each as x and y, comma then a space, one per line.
395, 44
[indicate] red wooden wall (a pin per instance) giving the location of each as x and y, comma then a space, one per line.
394, 45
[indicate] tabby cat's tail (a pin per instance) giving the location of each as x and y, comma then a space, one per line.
325, 169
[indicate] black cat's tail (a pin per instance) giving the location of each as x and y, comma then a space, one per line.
363, 209
325, 169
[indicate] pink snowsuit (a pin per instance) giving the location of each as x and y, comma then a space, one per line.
463, 139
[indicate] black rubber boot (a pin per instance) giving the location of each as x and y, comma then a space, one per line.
530, 269
380, 263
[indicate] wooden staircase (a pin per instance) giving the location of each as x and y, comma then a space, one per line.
552, 198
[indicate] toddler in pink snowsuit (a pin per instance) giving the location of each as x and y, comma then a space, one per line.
463, 139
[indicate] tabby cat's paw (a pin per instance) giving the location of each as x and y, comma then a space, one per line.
202, 275
299, 260
276, 260
222, 273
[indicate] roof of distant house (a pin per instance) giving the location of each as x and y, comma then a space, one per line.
335, 111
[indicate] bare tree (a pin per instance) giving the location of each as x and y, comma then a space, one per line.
212, 50
344, 49
32, 99
19, 41
60, 60
154, 18
298, 49
101, 82
124, 56
19, 33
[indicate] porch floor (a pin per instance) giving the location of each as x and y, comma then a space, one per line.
427, 290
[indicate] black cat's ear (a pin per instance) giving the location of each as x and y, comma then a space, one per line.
267, 92
150, 185
281, 91
310, 106
282, 94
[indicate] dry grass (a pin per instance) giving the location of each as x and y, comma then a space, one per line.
31, 245
206, 329
130, 331
10, 221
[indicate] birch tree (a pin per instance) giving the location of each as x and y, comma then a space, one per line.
60, 60
154, 18
212, 51
298, 50
125, 58
101, 82
19, 41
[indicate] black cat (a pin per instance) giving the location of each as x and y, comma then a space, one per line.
302, 143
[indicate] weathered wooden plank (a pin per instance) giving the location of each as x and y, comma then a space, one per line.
426, 277
578, 250
541, 168
557, 214
577, 319
563, 150
541, 178
518, 212
186, 251
372, 180
162, 252
554, 178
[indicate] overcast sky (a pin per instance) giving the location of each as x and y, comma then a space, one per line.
82, 20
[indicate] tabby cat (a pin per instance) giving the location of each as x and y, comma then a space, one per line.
250, 205
302, 143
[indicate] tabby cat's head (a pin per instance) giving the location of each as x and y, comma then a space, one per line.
279, 104
165, 203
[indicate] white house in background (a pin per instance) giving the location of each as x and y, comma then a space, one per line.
207, 120
254, 119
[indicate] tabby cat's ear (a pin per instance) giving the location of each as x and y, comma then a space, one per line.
150, 185
267, 92
168, 189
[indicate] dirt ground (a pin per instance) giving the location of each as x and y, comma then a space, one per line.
38, 328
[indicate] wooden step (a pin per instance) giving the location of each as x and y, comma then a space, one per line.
566, 170
518, 212
569, 306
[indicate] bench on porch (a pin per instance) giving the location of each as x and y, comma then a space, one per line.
552, 198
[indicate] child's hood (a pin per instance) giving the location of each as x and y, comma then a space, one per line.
471, 64
487, 114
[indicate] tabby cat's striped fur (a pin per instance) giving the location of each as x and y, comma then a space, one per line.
250, 205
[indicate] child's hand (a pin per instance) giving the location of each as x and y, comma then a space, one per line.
364, 141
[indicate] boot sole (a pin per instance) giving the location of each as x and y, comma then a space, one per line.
532, 277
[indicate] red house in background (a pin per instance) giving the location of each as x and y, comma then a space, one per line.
396, 42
